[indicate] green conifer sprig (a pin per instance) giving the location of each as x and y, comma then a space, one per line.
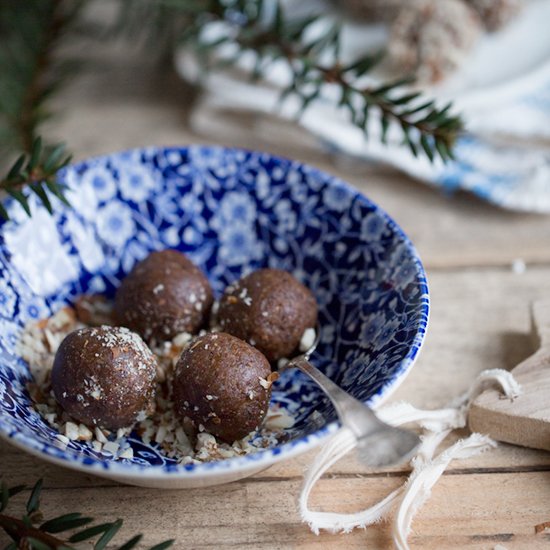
314, 63
31, 69
30, 532
36, 173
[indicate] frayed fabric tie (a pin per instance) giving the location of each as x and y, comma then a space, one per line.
427, 467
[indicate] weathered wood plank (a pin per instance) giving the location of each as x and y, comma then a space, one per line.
486, 509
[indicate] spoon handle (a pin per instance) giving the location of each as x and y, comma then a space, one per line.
379, 444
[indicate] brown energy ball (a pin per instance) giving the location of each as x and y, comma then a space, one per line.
495, 14
104, 376
269, 309
432, 38
223, 385
162, 296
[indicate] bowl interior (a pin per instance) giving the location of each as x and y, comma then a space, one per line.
231, 211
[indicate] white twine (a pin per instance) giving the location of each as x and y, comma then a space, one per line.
405, 501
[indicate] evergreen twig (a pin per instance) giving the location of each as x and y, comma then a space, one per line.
31, 70
25, 534
36, 173
314, 64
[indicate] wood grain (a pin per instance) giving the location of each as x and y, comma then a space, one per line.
486, 507
525, 419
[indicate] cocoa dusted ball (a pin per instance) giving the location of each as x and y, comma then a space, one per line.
104, 376
269, 309
495, 14
223, 384
431, 38
164, 295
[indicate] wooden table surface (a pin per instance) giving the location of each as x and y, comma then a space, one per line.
479, 320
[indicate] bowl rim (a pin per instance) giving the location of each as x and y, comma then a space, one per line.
265, 457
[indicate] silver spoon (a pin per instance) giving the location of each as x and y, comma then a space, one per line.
378, 443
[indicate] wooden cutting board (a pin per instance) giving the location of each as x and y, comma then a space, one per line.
525, 420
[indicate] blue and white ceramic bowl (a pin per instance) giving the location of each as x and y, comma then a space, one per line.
230, 210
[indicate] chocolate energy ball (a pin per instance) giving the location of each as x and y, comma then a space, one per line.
433, 38
104, 376
269, 309
495, 14
164, 295
223, 385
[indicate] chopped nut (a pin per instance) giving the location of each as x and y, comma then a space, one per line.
84, 434
62, 438
266, 384
99, 435
71, 430
273, 376
159, 425
94, 310
127, 453
182, 339
279, 421
308, 339
52, 341
283, 362
111, 447
542, 527
161, 434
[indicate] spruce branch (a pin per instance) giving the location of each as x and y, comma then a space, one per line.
25, 533
31, 72
36, 173
31, 69
426, 128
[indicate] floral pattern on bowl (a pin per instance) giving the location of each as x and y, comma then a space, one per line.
231, 211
